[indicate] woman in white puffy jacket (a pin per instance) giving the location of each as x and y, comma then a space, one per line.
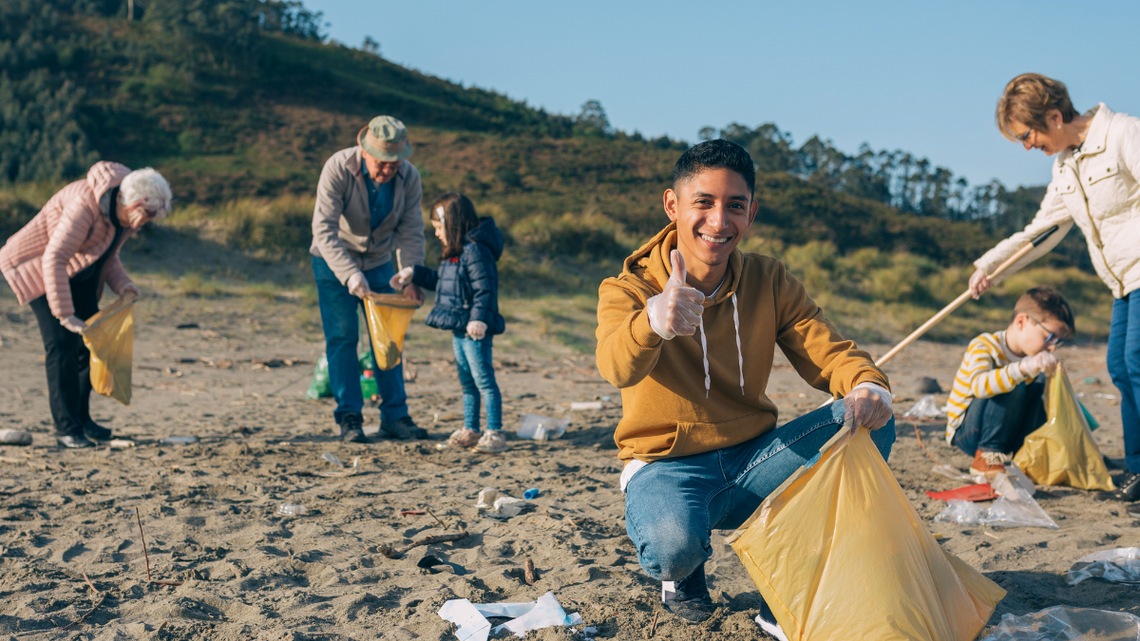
1096, 186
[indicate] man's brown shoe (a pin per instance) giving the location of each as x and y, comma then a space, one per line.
989, 463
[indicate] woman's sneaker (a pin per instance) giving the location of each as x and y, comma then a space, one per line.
463, 437
492, 442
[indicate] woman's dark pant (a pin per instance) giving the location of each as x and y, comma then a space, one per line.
1124, 368
66, 359
1001, 423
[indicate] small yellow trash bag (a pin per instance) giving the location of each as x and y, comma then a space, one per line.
388, 318
110, 337
1062, 451
839, 553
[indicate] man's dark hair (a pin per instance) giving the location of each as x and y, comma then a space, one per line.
1046, 301
715, 154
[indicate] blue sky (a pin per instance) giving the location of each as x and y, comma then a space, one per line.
923, 77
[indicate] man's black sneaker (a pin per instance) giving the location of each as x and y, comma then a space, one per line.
1127, 489
691, 599
403, 428
1133, 510
73, 441
96, 432
352, 429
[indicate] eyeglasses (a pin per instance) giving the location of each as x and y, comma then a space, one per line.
1024, 137
1051, 339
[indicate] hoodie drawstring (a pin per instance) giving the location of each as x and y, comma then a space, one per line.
739, 351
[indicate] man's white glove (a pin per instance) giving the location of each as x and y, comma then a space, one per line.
868, 405
1043, 361
676, 311
130, 292
73, 324
401, 279
477, 330
358, 285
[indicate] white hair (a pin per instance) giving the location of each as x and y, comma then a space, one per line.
147, 185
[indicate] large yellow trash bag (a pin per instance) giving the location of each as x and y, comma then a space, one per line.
110, 337
839, 553
388, 318
1062, 451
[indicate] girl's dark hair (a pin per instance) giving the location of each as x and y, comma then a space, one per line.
459, 218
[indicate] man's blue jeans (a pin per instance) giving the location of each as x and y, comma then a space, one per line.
341, 323
477, 376
672, 506
1001, 423
1124, 368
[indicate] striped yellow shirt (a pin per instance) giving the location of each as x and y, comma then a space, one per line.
988, 369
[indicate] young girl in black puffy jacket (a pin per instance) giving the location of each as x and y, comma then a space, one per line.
467, 304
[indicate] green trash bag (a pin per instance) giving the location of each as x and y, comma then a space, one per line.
320, 387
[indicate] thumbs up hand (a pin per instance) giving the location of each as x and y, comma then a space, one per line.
676, 311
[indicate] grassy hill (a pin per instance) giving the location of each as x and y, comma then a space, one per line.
239, 103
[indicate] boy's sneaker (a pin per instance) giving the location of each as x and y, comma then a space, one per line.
492, 442
989, 463
689, 598
767, 622
403, 428
463, 437
352, 429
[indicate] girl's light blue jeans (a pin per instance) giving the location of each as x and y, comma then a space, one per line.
672, 506
477, 376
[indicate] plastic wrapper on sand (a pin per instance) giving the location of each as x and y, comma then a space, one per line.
388, 318
1121, 565
1062, 451
110, 337
1062, 623
839, 553
1014, 509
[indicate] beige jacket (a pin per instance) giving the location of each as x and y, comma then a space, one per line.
1098, 189
342, 222
69, 234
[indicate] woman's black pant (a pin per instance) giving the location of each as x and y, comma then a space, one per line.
66, 359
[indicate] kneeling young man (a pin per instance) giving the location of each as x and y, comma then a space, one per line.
688, 332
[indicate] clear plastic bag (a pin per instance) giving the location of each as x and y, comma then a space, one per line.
110, 337
1062, 623
388, 317
1121, 565
1016, 510
542, 428
926, 407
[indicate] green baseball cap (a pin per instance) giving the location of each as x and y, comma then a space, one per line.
386, 139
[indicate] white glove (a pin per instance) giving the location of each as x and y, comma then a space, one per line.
477, 330
73, 324
868, 405
979, 283
676, 311
358, 285
401, 279
130, 292
1043, 361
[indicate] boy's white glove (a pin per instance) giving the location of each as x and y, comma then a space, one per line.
73, 324
676, 311
401, 279
1043, 361
358, 285
477, 330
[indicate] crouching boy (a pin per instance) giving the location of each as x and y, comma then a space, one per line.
688, 331
996, 399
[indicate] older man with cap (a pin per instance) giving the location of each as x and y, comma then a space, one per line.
368, 204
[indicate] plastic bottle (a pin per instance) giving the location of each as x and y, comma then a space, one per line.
532, 493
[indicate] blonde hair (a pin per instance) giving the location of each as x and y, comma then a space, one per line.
1027, 98
148, 185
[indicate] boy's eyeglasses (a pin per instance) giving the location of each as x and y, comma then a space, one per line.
1051, 339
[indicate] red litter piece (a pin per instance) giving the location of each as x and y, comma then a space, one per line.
979, 492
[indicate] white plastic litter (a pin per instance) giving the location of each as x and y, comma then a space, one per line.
15, 437
332, 458
492, 499
1062, 623
1012, 510
952, 473
542, 428
587, 405
926, 407
1121, 565
471, 618
291, 509
1008, 483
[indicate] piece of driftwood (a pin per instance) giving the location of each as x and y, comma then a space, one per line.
393, 552
652, 626
147, 556
528, 572
102, 597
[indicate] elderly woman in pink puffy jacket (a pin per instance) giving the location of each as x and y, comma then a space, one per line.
59, 263
1095, 186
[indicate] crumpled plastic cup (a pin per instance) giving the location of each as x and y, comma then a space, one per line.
1062, 623
1121, 565
291, 509
926, 407
542, 428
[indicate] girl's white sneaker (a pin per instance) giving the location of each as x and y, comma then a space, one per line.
492, 442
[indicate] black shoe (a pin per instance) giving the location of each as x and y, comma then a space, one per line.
1133, 510
1127, 489
403, 428
73, 441
96, 432
692, 602
352, 429
1115, 463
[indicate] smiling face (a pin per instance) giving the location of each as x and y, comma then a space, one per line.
712, 210
1052, 140
380, 171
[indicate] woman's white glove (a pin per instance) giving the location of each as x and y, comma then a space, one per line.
401, 279
1043, 361
979, 283
677, 310
73, 324
130, 292
868, 405
477, 330
358, 285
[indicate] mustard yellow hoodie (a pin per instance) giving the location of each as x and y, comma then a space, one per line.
666, 413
